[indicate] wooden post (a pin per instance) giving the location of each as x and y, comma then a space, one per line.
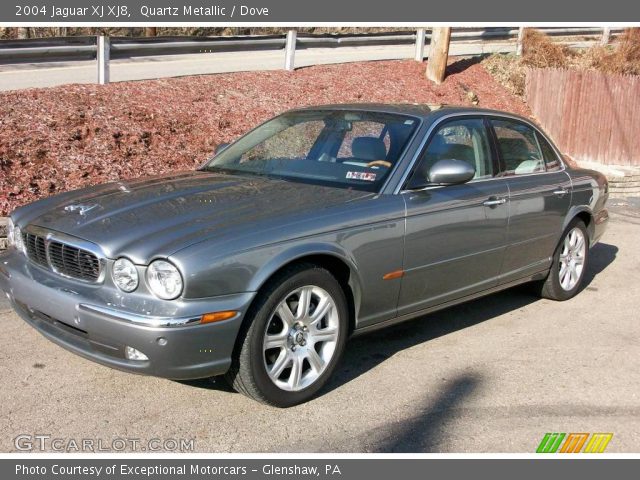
420, 36
519, 41
606, 34
102, 59
290, 50
438, 54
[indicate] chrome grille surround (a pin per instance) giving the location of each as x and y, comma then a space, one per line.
64, 255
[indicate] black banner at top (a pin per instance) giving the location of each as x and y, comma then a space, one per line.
315, 11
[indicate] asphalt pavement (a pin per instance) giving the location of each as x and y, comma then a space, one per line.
493, 375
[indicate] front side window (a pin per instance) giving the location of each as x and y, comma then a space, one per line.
464, 139
518, 147
347, 149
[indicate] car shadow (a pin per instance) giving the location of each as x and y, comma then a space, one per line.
365, 352
212, 383
600, 257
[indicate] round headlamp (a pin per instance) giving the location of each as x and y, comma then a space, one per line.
164, 279
17, 239
11, 232
125, 275
14, 236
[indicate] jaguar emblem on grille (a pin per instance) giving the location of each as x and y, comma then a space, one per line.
81, 209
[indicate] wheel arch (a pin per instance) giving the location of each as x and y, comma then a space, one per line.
585, 214
330, 257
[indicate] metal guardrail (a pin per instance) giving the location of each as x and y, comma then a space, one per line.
47, 49
87, 48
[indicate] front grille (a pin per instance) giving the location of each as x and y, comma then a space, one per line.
36, 249
73, 261
62, 258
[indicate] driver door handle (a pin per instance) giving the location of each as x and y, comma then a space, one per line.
494, 201
560, 191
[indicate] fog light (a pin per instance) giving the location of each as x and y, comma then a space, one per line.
133, 354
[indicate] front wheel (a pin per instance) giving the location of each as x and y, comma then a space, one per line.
295, 337
569, 264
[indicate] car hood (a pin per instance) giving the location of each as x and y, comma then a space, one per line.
158, 216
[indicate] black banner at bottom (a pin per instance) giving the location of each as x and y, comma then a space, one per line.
326, 468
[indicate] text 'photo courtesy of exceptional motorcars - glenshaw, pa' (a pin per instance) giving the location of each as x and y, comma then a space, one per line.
316, 239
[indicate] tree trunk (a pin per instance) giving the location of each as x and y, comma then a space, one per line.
150, 31
23, 32
438, 54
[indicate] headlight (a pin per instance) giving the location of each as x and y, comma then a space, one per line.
10, 232
164, 279
125, 275
14, 236
18, 240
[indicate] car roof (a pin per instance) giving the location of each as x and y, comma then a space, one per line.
421, 110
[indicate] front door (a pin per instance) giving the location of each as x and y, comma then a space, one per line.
455, 235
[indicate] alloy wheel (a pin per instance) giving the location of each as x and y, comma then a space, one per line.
572, 259
300, 338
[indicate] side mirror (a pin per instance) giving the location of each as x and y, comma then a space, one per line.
451, 172
221, 147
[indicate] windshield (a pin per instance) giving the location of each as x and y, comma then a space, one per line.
348, 149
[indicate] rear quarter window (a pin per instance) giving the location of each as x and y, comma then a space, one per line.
551, 159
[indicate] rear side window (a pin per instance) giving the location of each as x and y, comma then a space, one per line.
551, 159
519, 147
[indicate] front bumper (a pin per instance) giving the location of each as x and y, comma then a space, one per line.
97, 322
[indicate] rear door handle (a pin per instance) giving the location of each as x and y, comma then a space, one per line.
560, 191
494, 201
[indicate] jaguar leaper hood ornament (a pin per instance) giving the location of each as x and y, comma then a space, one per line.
80, 209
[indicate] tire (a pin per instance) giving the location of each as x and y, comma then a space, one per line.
565, 278
286, 352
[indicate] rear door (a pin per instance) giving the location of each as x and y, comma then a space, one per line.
455, 235
539, 198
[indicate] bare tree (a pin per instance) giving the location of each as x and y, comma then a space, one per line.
438, 54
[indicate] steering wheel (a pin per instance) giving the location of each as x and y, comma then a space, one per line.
379, 163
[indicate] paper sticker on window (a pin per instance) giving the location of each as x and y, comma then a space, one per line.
366, 176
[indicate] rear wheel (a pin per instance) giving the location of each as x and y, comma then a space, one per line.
295, 337
569, 264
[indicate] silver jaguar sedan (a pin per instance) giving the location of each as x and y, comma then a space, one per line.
321, 223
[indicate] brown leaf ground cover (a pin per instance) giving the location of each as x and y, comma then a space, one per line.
57, 139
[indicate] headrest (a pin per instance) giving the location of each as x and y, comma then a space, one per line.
368, 148
437, 145
513, 147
